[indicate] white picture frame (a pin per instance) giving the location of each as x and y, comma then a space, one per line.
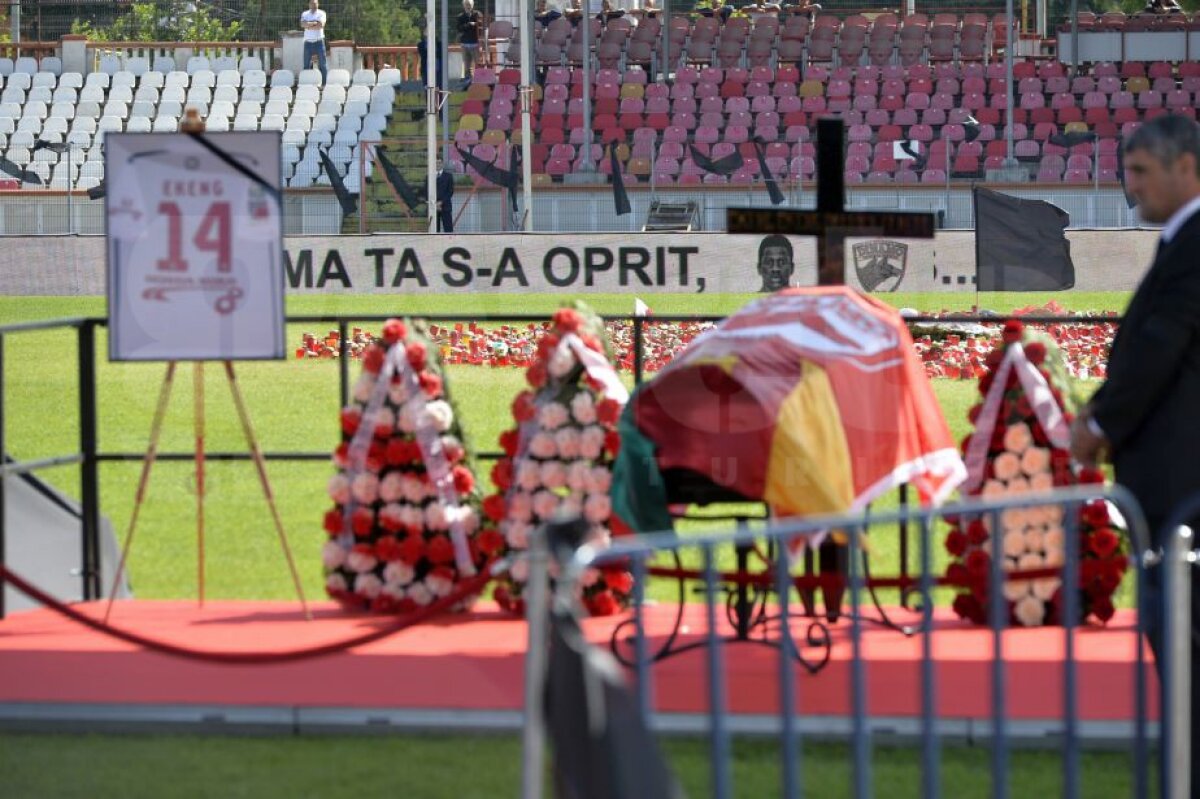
194, 246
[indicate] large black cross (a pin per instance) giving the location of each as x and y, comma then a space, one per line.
831, 223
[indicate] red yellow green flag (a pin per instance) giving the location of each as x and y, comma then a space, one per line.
811, 399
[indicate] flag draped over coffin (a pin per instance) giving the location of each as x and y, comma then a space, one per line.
811, 399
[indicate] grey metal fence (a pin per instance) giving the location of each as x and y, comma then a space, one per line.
637, 552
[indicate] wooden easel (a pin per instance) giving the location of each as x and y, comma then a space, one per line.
193, 124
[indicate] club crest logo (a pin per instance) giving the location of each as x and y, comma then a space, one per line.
880, 264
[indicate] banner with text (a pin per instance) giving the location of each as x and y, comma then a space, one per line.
578, 264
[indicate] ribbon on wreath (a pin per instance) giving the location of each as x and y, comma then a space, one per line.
1041, 399
433, 455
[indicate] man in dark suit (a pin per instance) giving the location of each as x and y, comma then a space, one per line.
445, 192
1144, 416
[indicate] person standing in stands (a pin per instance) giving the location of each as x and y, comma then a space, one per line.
546, 13
312, 22
470, 26
1144, 415
423, 55
445, 193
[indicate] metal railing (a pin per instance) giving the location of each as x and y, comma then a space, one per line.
637, 551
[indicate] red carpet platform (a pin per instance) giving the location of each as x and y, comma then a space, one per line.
466, 672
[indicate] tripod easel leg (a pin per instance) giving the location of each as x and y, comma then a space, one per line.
198, 424
164, 394
260, 464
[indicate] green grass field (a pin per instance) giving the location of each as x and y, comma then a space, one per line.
294, 405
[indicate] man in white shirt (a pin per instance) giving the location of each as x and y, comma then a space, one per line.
312, 22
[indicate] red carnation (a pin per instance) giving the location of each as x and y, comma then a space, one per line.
333, 521
567, 319
431, 384
1089, 475
1035, 351
1095, 513
546, 345
393, 331
993, 359
1012, 331
535, 375
493, 507
1107, 582
503, 597
440, 550
361, 521
350, 419
490, 541
342, 452
973, 413
1039, 435
502, 474
387, 548
985, 383
1022, 406
978, 563
373, 359
390, 523
412, 549
612, 442
591, 342
977, 532
956, 574
376, 457
956, 543
464, 481
523, 408
608, 411
509, 441
1103, 608
416, 354
619, 581
397, 452
969, 608
602, 603
453, 449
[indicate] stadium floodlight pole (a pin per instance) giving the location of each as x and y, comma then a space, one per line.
586, 60
666, 40
431, 111
1010, 44
444, 77
525, 7
1074, 38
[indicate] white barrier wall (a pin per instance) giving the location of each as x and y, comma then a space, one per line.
643, 264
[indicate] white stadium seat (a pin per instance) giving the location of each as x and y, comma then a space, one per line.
166, 125
87, 109
27, 65
338, 77
123, 78
245, 123
389, 76
283, 78
272, 122
363, 77
52, 64
137, 66
255, 77
223, 63
197, 63
6, 66
310, 77
152, 80
250, 63
203, 77
71, 80
358, 94
177, 80
254, 94
19, 80
46, 79
226, 93
229, 77
164, 64
310, 93
63, 110
139, 125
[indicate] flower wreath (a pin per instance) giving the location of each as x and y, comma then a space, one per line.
404, 524
1020, 444
559, 457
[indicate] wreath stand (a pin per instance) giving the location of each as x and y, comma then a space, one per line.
748, 593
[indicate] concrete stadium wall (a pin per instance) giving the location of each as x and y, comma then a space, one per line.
576, 264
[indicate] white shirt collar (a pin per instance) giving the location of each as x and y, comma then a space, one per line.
1178, 219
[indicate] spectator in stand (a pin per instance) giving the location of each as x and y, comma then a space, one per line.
575, 12
1162, 7
423, 54
607, 11
803, 7
445, 193
756, 8
649, 9
713, 8
470, 28
546, 13
312, 22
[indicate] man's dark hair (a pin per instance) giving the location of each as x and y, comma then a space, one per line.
1167, 137
774, 240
